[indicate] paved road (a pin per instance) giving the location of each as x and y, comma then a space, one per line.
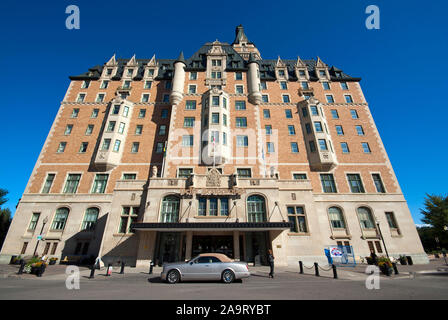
286, 285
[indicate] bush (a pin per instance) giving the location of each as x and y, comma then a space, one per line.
384, 262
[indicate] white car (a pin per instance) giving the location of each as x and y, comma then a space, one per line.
206, 266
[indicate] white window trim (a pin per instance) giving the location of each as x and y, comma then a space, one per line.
143, 94
382, 181
79, 94
45, 180
239, 85
360, 178
65, 182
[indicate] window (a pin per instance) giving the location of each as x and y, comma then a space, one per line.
100, 97
121, 127
281, 73
270, 147
334, 114
150, 72
68, 129
90, 218
323, 145
116, 109
241, 122
224, 206
216, 75
48, 183
224, 138
240, 105
187, 140
312, 146
391, 220
111, 126
60, 219
129, 176
265, 98
307, 96
139, 129
268, 129
147, 84
75, 113
117, 145
25, 245
378, 183
318, 126
348, 98
193, 76
190, 105
339, 131
304, 85
189, 122
359, 130
170, 209
344, 147
216, 63
243, 173
61, 147
239, 89
266, 114
125, 111
294, 147
89, 129
83, 147
308, 128
99, 185
302, 73
192, 88
106, 145
336, 218
142, 113
296, 215
184, 172
354, 180
164, 114
159, 147
354, 114
85, 84
129, 215
34, 220
224, 103
53, 249
314, 111
224, 119
326, 85
242, 141
81, 97
214, 137
344, 86
329, 98
263, 85
365, 218
256, 209
299, 176
285, 98
215, 118
288, 113
283, 85
365, 147
135, 146
328, 184
322, 73
168, 84
109, 71
291, 130
94, 113
202, 208
166, 98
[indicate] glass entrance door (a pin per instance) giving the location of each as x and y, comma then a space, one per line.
212, 244
257, 245
168, 249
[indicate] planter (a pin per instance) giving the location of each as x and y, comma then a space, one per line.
386, 270
34, 270
403, 262
52, 262
409, 260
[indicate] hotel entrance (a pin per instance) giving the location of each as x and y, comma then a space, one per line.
257, 245
215, 244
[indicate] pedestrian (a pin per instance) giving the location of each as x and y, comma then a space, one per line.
271, 263
374, 257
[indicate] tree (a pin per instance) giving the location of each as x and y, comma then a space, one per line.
5, 216
3, 194
436, 214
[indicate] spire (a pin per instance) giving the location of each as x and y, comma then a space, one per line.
112, 61
252, 59
181, 58
152, 62
132, 61
240, 36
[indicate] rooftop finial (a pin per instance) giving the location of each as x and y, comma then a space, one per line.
239, 35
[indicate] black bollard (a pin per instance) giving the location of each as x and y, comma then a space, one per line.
335, 273
108, 269
92, 272
301, 267
122, 267
22, 266
151, 265
394, 265
316, 269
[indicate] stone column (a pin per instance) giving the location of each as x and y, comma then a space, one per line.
188, 246
236, 245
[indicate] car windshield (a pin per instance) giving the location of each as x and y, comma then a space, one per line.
191, 259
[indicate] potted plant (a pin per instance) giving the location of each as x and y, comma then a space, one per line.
53, 261
385, 266
403, 259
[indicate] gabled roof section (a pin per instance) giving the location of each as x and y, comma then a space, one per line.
240, 36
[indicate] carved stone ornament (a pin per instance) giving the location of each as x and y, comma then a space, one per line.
154, 171
102, 156
213, 178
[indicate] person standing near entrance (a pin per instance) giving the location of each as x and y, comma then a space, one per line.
271, 263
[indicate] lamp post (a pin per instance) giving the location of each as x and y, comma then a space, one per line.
381, 235
41, 231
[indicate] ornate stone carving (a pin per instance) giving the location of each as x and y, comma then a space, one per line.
154, 171
213, 178
254, 182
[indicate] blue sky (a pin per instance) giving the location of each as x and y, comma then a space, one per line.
402, 65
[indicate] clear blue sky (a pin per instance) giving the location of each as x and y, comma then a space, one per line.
403, 65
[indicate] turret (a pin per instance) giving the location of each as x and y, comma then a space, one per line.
253, 78
178, 80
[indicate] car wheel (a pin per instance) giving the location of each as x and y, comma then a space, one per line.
173, 276
228, 276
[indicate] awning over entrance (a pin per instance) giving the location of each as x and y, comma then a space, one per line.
211, 226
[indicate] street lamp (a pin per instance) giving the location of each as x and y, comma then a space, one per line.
40, 235
381, 235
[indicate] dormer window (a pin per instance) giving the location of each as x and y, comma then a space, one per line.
322, 73
127, 84
281, 73
216, 63
130, 72
150, 72
109, 71
85, 84
216, 75
302, 73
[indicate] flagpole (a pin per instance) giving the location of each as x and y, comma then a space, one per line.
163, 161
213, 151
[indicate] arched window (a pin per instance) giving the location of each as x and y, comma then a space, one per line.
256, 209
60, 219
170, 209
90, 219
336, 218
366, 218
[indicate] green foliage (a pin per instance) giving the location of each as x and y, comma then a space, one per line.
384, 262
435, 214
3, 193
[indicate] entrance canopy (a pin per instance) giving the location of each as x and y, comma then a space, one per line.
211, 226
